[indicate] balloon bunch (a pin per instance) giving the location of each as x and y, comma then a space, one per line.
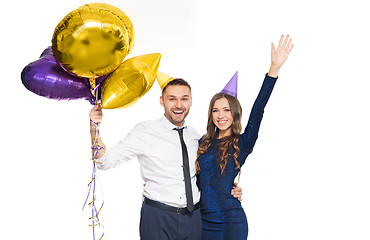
86, 61
88, 47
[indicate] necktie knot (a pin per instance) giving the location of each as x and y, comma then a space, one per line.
181, 132
179, 129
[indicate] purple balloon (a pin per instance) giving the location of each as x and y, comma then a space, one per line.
46, 78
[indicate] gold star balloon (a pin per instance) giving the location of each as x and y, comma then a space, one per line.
130, 81
93, 40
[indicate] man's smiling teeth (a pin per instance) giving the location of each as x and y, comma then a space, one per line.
178, 112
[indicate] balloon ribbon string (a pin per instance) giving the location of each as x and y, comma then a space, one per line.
92, 82
92, 185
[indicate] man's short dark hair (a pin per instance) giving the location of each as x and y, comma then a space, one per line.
177, 81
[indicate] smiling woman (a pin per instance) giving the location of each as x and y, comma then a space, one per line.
225, 107
223, 151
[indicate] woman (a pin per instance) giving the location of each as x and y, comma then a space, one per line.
223, 150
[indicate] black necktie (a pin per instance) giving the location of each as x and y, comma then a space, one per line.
185, 163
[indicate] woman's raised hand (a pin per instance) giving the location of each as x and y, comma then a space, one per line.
280, 54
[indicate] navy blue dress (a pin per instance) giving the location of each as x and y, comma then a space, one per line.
223, 217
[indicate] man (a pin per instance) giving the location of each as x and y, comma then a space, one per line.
166, 150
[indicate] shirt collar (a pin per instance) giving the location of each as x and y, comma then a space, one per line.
169, 125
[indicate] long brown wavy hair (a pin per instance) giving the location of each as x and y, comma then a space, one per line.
213, 132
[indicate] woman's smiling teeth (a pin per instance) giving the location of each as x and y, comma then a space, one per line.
221, 121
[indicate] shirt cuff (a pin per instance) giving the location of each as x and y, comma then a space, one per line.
101, 160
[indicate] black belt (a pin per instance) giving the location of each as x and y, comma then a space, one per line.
166, 207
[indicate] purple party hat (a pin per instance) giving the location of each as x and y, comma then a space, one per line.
231, 87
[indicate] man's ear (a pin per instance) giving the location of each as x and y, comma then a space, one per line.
161, 100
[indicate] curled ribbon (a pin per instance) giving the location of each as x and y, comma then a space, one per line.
91, 186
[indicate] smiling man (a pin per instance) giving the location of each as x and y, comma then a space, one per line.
176, 100
166, 149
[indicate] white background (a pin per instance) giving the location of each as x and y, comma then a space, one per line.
308, 177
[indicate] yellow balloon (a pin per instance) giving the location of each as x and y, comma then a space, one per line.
126, 20
130, 81
93, 40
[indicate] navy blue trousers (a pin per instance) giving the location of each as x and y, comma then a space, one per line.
157, 224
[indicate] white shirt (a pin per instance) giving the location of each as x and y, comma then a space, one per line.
158, 149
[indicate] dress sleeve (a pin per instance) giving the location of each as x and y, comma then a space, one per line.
129, 147
250, 135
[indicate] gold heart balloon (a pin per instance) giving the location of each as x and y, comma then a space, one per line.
93, 40
130, 81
